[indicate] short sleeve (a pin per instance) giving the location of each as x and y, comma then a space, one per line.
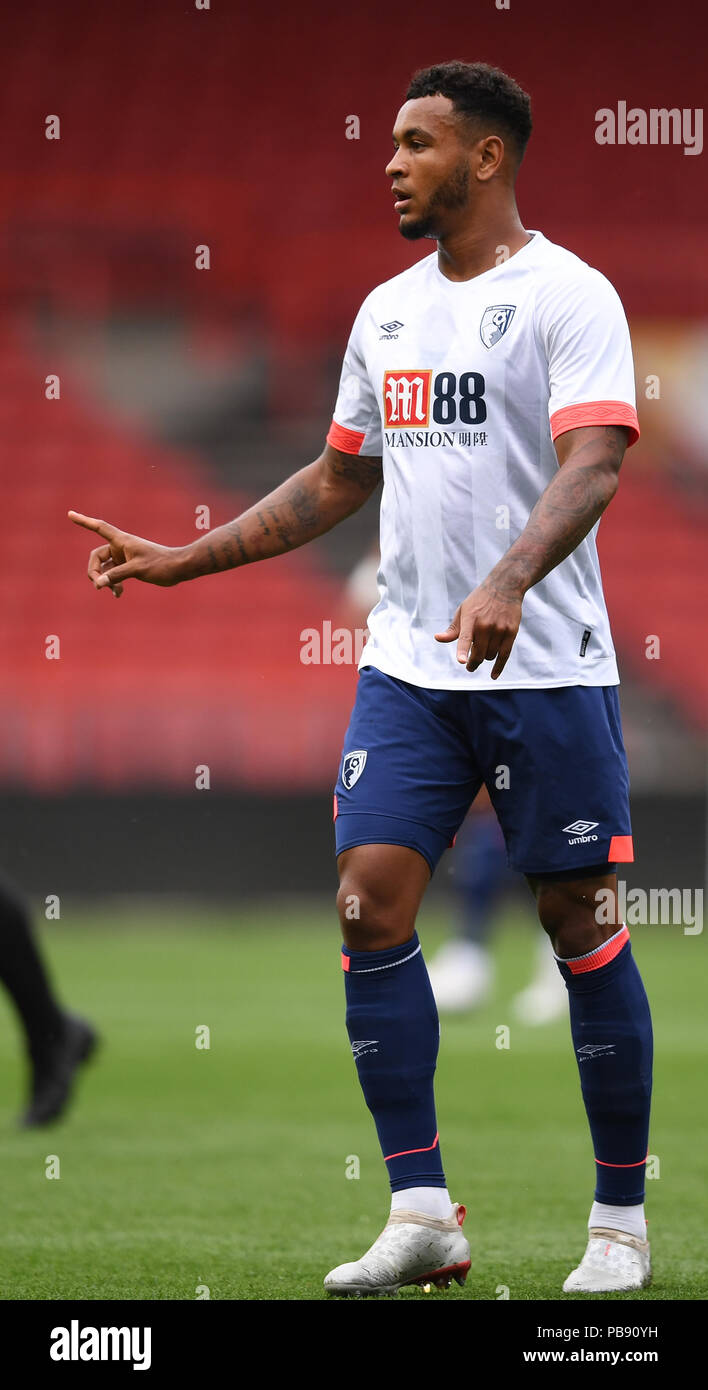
589, 353
356, 426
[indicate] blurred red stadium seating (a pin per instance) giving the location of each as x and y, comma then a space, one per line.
156, 683
181, 128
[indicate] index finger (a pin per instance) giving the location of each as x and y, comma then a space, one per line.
466, 638
102, 528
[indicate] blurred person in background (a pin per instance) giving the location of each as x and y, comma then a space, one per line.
462, 972
57, 1042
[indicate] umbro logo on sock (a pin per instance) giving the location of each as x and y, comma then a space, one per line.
596, 1050
366, 1045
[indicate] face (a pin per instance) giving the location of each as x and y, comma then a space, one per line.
430, 170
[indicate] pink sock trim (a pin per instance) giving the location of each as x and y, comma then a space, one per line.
403, 1152
602, 955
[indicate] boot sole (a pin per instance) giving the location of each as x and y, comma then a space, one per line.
440, 1278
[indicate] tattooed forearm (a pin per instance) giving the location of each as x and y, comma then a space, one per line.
364, 473
564, 514
304, 506
229, 552
233, 538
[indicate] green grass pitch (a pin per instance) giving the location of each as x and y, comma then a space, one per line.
184, 1169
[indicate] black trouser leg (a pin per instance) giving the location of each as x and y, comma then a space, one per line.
24, 976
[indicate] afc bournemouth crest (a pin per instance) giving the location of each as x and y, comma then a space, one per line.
495, 321
352, 767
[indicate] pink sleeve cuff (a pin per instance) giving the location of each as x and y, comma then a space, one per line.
347, 441
575, 417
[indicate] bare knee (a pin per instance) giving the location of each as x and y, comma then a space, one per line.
369, 919
569, 911
379, 894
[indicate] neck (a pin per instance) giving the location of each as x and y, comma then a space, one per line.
476, 247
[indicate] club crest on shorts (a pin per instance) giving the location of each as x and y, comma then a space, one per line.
352, 767
495, 321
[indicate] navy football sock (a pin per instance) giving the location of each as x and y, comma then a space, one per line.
611, 1027
393, 1028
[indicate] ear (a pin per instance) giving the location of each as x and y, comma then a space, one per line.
490, 155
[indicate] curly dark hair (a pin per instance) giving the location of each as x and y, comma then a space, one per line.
481, 95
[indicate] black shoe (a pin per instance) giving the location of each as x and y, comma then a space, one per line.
53, 1078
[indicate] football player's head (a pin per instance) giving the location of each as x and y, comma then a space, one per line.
462, 126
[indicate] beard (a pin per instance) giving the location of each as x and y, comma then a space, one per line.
450, 196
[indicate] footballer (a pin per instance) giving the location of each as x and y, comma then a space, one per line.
490, 388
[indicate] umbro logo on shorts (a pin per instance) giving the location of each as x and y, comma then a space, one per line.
353, 766
366, 1045
580, 830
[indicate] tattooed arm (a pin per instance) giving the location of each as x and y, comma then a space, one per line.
568, 509
303, 507
486, 623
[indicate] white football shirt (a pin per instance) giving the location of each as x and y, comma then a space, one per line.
462, 387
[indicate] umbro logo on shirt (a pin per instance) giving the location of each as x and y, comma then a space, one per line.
390, 329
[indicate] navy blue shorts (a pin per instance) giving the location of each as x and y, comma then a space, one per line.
553, 762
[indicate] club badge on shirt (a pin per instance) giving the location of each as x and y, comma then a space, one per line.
495, 321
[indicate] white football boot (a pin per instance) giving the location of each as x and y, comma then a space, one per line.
412, 1249
461, 976
614, 1262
